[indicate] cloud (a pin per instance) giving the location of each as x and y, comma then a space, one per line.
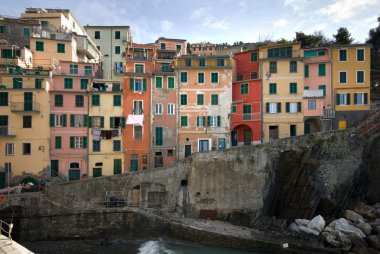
217, 24
296, 5
208, 20
345, 9
166, 25
200, 12
280, 23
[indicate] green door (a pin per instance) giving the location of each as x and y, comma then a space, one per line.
247, 137
96, 172
221, 143
134, 165
2, 179
187, 150
28, 101
74, 174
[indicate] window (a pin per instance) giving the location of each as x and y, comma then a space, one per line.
244, 88
158, 109
83, 84
58, 142
73, 69
159, 136
27, 122
60, 48
58, 120
321, 69
115, 87
96, 172
117, 100
233, 109
273, 107
293, 66
17, 83
79, 101
117, 166
293, 88
188, 62
254, 75
306, 71
39, 46
247, 112
183, 77
98, 121
3, 99
139, 68
343, 99
201, 78
343, 55
88, 70
9, 149
117, 34
78, 121
360, 55
200, 121
360, 77
214, 77
78, 142
95, 100
58, 100
170, 83
214, 99
178, 47
360, 98
117, 50
137, 132
219, 62
342, 77
158, 82
293, 107
254, 57
137, 107
97, 34
26, 148
117, 122
26, 32
272, 67
323, 87
162, 45
293, 130
138, 85
117, 145
213, 121
272, 88
200, 99
38, 83
96, 145
183, 121
183, 99
312, 105
170, 152
202, 62
280, 52
68, 83
171, 109
306, 88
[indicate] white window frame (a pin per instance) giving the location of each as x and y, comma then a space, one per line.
346, 55
58, 120
200, 121
346, 77
9, 149
361, 96
78, 142
204, 139
142, 106
96, 121
162, 82
167, 83
293, 107
272, 107
171, 109
211, 78
344, 97
357, 77
312, 104
158, 109
139, 64
363, 54
135, 88
213, 121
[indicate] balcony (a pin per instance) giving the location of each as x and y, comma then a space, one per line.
141, 56
246, 76
22, 107
313, 94
164, 69
6, 131
85, 46
328, 113
246, 117
166, 55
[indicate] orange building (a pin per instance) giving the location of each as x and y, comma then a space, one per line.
137, 95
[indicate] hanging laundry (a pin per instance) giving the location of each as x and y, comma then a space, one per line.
108, 134
135, 120
96, 134
103, 134
115, 133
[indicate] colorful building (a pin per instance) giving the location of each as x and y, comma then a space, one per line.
350, 83
136, 105
282, 73
205, 97
318, 106
246, 100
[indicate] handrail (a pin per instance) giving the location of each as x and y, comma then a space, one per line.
10, 228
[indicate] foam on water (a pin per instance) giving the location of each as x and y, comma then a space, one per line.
154, 247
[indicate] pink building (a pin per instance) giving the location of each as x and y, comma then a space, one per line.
317, 106
69, 119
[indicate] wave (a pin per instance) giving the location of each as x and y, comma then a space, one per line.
155, 247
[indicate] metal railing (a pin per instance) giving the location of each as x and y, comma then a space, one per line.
25, 107
6, 229
328, 113
6, 131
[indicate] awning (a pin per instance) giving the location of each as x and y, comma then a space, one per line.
135, 120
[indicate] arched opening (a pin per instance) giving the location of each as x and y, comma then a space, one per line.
242, 135
74, 171
312, 125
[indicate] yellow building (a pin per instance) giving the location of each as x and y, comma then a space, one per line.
24, 126
351, 83
282, 72
105, 130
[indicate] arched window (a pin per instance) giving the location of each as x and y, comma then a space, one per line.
74, 165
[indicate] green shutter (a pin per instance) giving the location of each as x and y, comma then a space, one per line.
322, 70
159, 136
348, 99
112, 123
365, 98
72, 120
85, 120
144, 84
267, 107
131, 83
299, 106
198, 120
287, 107
170, 82
54, 168
337, 99
102, 122
84, 142
51, 120
117, 166
218, 120
89, 121
72, 142
306, 71
279, 107
58, 142
123, 122
208, 120
355, 98
64, 119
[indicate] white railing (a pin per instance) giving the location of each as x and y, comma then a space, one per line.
6, 229
313, 93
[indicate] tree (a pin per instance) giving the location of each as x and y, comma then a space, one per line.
343, 36
315, 40
374, 40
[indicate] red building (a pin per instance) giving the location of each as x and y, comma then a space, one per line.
246, 100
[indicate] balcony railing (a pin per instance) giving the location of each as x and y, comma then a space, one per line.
246, 76
313, 94
32, 107
246, 117
6, 131
164, 68
328, 113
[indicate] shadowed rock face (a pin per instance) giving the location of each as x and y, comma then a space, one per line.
372, 157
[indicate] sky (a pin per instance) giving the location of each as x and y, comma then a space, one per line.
217, 21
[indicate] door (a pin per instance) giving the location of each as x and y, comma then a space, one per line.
307, 128
134, 165
2, 179
74, 174
3, 125
187, 150
221, 143
273, 132
247, 137
203, 145
28, 101
234, 138
342, 124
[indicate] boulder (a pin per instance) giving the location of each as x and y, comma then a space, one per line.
377, 230
334, 222
372, 251
370, 216
317, 223
346, 244
348, 229
374, 223
352, 216
365, 227
331, 240
302, 222
328, 229
362, 208
294, 227
308, 230
374, 241
339, 236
